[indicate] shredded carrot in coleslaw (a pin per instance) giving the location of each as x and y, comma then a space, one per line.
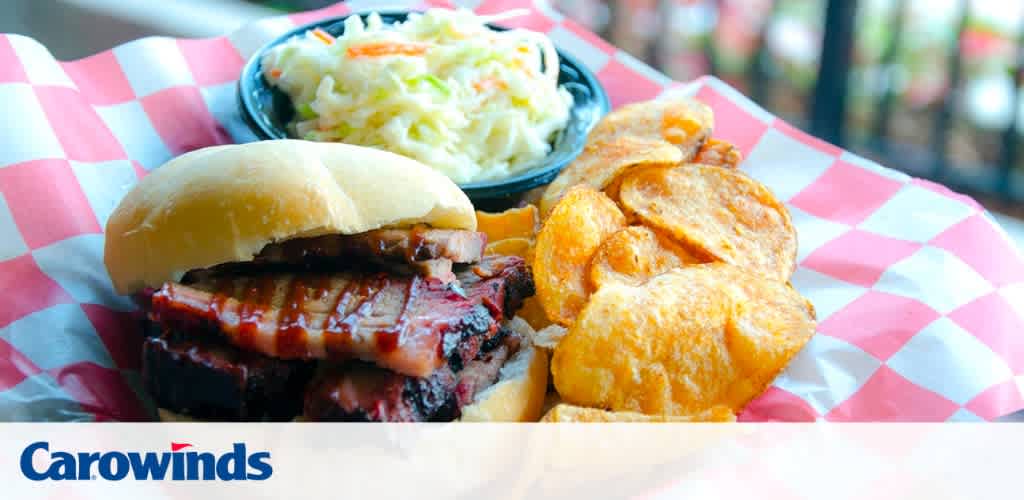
377, 49
490, 83
323, 36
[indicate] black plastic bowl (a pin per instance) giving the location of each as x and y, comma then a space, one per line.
266, 110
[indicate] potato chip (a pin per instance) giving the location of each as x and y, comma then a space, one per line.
520, 247
718, 152
643, 133
602, 161
512, 223
533, 313
612, 191
567, 240
634, 255
683, 121
718, 211
569, 413
686, 341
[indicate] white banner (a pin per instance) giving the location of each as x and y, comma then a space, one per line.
423, 461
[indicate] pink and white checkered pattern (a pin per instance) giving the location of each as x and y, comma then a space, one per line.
920, 295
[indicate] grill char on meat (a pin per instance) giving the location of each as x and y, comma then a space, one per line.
361, 392
408, 324
218, 380
208, 378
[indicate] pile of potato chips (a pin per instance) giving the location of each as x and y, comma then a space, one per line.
661, 270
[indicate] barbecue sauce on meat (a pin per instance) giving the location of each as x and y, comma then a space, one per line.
291, 326
416, 244
223, 290
387, 340
404, 323
340, 323
259, 292
231, 381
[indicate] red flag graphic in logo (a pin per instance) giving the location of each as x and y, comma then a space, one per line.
179, 446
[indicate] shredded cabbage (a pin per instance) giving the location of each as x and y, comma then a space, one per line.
441, 87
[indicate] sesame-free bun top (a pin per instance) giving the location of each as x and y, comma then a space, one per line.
225, 203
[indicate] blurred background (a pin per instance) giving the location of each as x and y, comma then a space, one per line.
931, 87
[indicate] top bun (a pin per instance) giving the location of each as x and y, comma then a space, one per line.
225, 203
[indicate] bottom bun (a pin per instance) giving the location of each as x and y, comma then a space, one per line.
518, 395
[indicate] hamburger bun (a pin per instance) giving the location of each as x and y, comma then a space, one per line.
225, 203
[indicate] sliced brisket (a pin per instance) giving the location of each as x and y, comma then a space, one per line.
193, 363
409, 324
361, 392
416, 244
208, 379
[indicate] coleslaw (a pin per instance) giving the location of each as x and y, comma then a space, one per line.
441, 87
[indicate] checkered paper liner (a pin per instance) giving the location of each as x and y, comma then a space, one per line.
919, 293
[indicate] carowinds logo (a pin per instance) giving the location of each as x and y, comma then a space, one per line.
174, 465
